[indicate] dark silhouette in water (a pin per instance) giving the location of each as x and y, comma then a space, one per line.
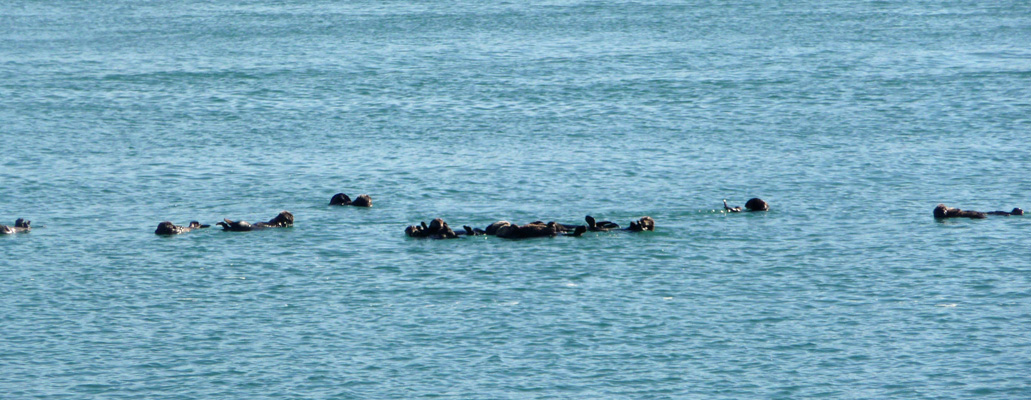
537, 229
470, 231
283, 220
599, 226
643, 224
437, 229
21, 225
168, 228
492, 229
942, 212
753, 204
341, 199
1016, 211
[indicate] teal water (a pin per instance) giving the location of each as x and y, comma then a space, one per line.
852, 118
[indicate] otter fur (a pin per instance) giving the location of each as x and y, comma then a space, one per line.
643, 224
437, 229
168, 228
1015, 211
341, 199
283, 220
941, 211
753, 204
21, 225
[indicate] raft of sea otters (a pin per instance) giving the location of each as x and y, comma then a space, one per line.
438, 229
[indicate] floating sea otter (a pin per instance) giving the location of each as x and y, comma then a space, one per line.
537, 229
437, 229
341, 199
941, 212
643, 224
753, 204
283, 220
168, 228
1016, 211
20, 226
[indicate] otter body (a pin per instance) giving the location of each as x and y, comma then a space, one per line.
283, 220
168, 228
537, 229
754, 204
21, 225
941, 212
1015, 211
599, 226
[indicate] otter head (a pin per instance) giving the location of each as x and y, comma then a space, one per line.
167, 228
436, 225
22, 223
445, 232
414, 231
756, 204
362, 201
284, 219
1017, 211
941, 211
340, 199
646, 224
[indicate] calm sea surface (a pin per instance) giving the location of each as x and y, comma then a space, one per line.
852, 118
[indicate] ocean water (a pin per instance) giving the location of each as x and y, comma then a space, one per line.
852, 118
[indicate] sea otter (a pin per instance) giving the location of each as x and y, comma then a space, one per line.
341, 199
21, 225
168, 228
941, 212
643, 224
283, 220
753, 204
536, 229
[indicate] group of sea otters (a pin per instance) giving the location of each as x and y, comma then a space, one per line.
438, 229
